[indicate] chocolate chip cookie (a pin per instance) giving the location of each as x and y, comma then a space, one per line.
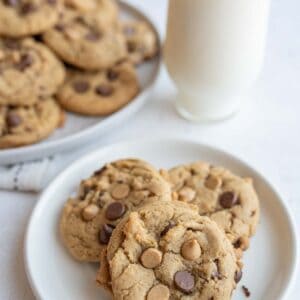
27, 17
142, 43
168, 251
115, 190
25, 125
106, 11
226, 198
28, 70
80, 41
99, 93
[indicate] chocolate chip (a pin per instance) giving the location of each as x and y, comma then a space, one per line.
80, 19
11, 2
52, 2
193, 172
246, 291
28, 8
115, 211
12, 44
13, 120
131, 46
167, 228
105, 233
238, 276
237, 244
81, 86
92, 36
228, 199
39, 38
104, 90
59, 27
216, 273
184, 281
26, 61
100, 171
112, 75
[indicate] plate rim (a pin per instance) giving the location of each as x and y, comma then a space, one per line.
36, 150
290, 281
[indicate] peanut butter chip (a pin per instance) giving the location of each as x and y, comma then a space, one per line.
187, 194
120, 191
159, 292
151, 258
90, 212
212, 182
191, 250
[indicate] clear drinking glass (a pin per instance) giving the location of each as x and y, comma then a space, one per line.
214, 51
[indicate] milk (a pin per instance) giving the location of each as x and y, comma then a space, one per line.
214, 51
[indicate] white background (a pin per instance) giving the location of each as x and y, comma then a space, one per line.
266, 133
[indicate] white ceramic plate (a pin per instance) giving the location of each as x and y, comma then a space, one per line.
270, 263
78, 130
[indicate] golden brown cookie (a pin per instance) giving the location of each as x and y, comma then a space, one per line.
99, 93
24, 125
106, 11
229, 200
167, 251
28, 71
142, 43
115, 190
80, 40
27, 17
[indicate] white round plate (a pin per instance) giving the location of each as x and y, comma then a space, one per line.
78, 130
270, 263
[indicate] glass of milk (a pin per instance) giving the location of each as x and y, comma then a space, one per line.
214, 51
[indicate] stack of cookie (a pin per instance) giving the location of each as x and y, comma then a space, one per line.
72, 54
177, 234
30, 74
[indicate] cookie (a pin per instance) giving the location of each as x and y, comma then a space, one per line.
226, 198
80, 41
106, 11
142, 43
28, 71
99, 93
27, 17
118, 188
168, 251
24, 125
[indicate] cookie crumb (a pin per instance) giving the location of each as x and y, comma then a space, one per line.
246, 291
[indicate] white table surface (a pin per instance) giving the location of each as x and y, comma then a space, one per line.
265, 133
